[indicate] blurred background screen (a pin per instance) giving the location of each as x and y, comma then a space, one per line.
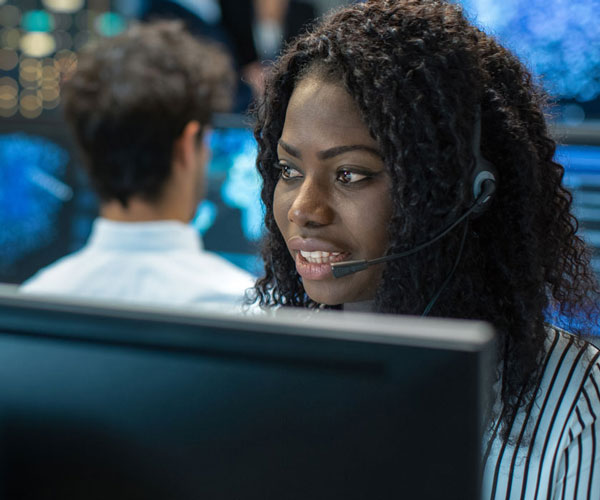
559, 40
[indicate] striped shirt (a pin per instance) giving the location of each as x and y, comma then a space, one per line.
554, 450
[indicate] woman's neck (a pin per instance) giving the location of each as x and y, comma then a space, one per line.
361, 306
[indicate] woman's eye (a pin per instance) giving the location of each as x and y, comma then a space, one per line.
346, 176
288, 172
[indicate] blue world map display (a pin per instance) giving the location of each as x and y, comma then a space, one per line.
231, 217
558, 39
32, 194
241, 189
232, 168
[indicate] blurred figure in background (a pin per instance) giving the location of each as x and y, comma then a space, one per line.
140, 105
259, 30
254, 31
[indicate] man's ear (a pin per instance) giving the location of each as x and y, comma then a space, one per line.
185, 148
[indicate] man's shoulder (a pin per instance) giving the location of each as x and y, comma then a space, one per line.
55, 275
211, 262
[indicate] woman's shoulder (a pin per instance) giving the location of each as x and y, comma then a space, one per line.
571, 366
580, 352
555, 429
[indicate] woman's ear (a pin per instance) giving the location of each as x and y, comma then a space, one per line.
185, 147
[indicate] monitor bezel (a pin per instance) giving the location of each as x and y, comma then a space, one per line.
64, 316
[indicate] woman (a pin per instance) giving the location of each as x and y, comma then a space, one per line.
371, 134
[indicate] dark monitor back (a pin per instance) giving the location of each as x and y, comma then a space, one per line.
114, 403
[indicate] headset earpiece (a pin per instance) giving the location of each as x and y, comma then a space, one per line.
484, 176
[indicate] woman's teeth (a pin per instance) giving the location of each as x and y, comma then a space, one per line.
320, 257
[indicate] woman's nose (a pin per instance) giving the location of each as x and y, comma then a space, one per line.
311, 206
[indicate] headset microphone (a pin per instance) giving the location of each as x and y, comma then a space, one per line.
484, 185
341, 269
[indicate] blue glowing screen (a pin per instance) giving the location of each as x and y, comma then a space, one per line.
230, 219
582, 177
32, 192
558, 39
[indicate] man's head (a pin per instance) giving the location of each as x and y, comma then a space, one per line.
139, 101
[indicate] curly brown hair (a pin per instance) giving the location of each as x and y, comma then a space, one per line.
130, 98
420, 75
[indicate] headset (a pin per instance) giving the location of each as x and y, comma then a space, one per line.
483, 180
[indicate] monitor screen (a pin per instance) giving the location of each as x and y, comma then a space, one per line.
558, 40
112, 402
230, 219
582, 177
46, 205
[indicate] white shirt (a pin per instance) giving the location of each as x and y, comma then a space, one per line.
554, 451
161, 262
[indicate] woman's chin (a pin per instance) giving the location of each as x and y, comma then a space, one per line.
333, 294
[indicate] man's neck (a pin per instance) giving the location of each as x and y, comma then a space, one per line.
138, 210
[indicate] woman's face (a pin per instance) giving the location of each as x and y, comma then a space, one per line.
332, 202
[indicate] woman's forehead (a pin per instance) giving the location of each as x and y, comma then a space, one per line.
314, 96
323, 110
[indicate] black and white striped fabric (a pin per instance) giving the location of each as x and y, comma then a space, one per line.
554, 450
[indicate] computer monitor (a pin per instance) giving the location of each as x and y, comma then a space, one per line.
100, 401
46, 204
558, 41
582, 177
230, 218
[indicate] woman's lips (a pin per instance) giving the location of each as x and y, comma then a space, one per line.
317, 265
314, 256
312, 245
320, 256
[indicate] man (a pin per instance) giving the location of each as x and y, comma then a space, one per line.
140, 105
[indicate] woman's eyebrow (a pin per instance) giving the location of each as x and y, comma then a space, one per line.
290, 149
331, 152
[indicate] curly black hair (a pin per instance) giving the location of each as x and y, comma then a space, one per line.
130, 98
421, 75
